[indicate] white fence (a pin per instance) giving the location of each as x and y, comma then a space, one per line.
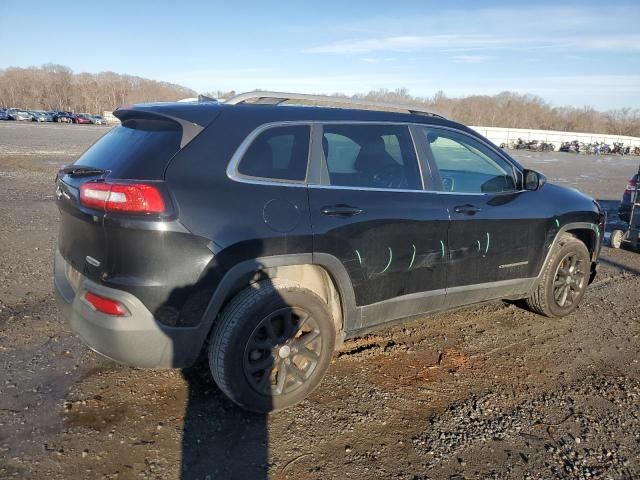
504, 135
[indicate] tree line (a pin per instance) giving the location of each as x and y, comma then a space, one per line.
506, 109
515, 110
56, 87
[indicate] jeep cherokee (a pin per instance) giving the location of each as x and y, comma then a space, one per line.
268, 233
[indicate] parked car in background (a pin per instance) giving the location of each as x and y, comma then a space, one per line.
19, 115
4, 115
62, 117
82, 118
40, 116
98, 119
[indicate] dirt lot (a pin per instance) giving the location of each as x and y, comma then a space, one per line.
490, 391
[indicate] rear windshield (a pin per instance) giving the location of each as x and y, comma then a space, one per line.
137, 149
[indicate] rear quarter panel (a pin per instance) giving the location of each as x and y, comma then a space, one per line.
235, 217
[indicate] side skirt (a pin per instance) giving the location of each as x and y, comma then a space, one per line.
400, 309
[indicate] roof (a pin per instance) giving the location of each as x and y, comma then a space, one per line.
202, 113
279, 98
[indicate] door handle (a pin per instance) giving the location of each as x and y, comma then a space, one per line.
341, 211
468, 209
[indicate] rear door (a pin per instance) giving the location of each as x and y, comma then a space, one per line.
495, 228
370, 211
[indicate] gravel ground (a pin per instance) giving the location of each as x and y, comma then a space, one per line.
489, 391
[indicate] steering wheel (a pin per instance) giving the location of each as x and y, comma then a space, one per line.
389, 176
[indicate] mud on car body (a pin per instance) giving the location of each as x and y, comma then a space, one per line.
268, 234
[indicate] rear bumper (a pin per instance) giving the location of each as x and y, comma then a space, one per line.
137, 339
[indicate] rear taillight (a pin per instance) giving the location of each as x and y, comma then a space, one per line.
121, 197
105, 305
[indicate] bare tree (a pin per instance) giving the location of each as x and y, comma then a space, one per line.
56, 87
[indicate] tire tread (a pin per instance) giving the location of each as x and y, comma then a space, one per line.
538, 301
232, 314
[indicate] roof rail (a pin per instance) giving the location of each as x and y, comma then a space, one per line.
277, 98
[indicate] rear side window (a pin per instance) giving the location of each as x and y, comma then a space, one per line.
135, 149
371, 156
279, 153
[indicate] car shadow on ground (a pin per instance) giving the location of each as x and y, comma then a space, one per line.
621, 266
220, 440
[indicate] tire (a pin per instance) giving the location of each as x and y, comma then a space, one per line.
615, 241
258, 354
545, 300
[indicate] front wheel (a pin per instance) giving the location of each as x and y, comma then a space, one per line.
564, 279
272, 345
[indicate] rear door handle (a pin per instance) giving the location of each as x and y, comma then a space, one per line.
341, 211
468, 209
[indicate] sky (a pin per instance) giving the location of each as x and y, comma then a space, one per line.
568, 53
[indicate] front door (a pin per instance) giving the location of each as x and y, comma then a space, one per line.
494, 230
372, 213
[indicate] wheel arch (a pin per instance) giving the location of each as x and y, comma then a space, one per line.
587, 236
323, 274
588, 233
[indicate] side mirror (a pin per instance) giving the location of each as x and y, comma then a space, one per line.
533, 180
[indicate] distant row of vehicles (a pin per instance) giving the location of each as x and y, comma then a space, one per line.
533, 145
594, 148
20, 115
599, 148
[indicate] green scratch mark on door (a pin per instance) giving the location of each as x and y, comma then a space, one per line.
413, 257
390, 259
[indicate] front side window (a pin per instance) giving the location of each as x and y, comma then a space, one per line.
371, 156
278, 153
466, 165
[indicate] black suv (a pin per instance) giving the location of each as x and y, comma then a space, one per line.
272, 232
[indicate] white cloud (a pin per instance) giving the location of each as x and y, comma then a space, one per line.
611, 42
408, 43
376, 59
569, 28
472, 58
471, 42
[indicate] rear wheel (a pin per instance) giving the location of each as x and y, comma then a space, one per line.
271, 346
564, 279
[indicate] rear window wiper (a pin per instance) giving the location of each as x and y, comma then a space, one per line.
82, 171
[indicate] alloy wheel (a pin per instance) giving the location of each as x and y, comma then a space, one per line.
283, 351
569, 280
